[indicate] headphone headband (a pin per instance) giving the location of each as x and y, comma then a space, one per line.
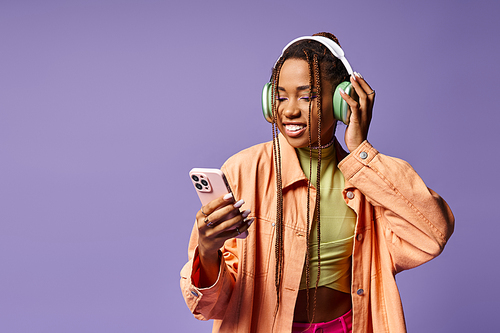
329, 44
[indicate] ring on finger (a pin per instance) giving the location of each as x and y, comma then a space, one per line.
373, 92
207, 222
238, 231
203, 212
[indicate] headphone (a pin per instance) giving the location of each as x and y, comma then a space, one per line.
340, 107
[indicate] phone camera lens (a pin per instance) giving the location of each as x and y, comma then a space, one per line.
204, 182
195, 178
198, 186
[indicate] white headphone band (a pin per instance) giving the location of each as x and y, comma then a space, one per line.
334, 48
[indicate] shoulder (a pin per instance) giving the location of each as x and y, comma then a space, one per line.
259, 153
246, 165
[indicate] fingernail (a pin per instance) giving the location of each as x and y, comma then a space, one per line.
243, 235
249, 221
358, 75
342, 90
239, 204
246, 213
354, 76
228, 196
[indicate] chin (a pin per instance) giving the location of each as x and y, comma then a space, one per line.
297, 142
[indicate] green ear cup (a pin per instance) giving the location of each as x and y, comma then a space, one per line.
267, 101
340, 107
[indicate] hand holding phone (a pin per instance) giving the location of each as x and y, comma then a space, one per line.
218, 220
211, 185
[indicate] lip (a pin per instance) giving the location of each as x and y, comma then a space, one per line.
294, 134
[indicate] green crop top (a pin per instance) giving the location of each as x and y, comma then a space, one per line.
337, 225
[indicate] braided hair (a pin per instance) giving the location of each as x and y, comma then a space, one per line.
322, 65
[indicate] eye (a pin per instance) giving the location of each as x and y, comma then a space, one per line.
308, 98
281, 99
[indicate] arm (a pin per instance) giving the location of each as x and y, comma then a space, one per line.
209, 302
207, 280
416, 222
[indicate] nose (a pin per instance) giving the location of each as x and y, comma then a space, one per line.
291, 109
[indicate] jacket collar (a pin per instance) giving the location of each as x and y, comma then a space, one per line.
291, 172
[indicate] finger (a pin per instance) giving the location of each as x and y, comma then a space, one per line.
218, 228
240, 230
353, 105
366, 95
220, 215
231, 221
215, 204
351, 101
228, 228
366, 99
359, 82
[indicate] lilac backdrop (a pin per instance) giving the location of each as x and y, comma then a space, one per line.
106, 105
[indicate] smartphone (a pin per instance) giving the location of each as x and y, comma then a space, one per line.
209, 183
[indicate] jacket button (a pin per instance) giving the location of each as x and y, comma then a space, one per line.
350, 195
194, 293
363, 155
360, 292
359, 237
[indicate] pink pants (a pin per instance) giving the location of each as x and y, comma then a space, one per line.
342, 324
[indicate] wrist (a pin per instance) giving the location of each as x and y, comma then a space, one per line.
208, 256
208, 269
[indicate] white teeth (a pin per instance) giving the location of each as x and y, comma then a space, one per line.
294, 127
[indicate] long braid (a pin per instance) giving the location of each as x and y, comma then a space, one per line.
308, 223
318, 174
279, 246
314, 76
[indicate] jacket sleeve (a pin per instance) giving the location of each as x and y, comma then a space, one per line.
415, 221
209, 303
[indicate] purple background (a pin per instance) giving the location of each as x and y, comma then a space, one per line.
106, 105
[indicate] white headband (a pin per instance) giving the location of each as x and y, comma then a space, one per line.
330, 44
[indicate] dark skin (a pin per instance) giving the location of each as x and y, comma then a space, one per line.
293, 111
330, 304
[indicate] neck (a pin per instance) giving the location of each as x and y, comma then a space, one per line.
325, 145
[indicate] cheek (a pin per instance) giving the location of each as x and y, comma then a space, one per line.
328, 120
328, 110
279, 124
328, 116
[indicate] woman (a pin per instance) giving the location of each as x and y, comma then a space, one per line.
255, 264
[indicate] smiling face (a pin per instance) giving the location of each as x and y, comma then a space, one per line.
294, 94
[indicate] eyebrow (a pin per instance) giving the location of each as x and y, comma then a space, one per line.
300, 88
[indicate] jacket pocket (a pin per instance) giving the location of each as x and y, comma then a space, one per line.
260, 240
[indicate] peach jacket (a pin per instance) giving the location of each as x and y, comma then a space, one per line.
400, 224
